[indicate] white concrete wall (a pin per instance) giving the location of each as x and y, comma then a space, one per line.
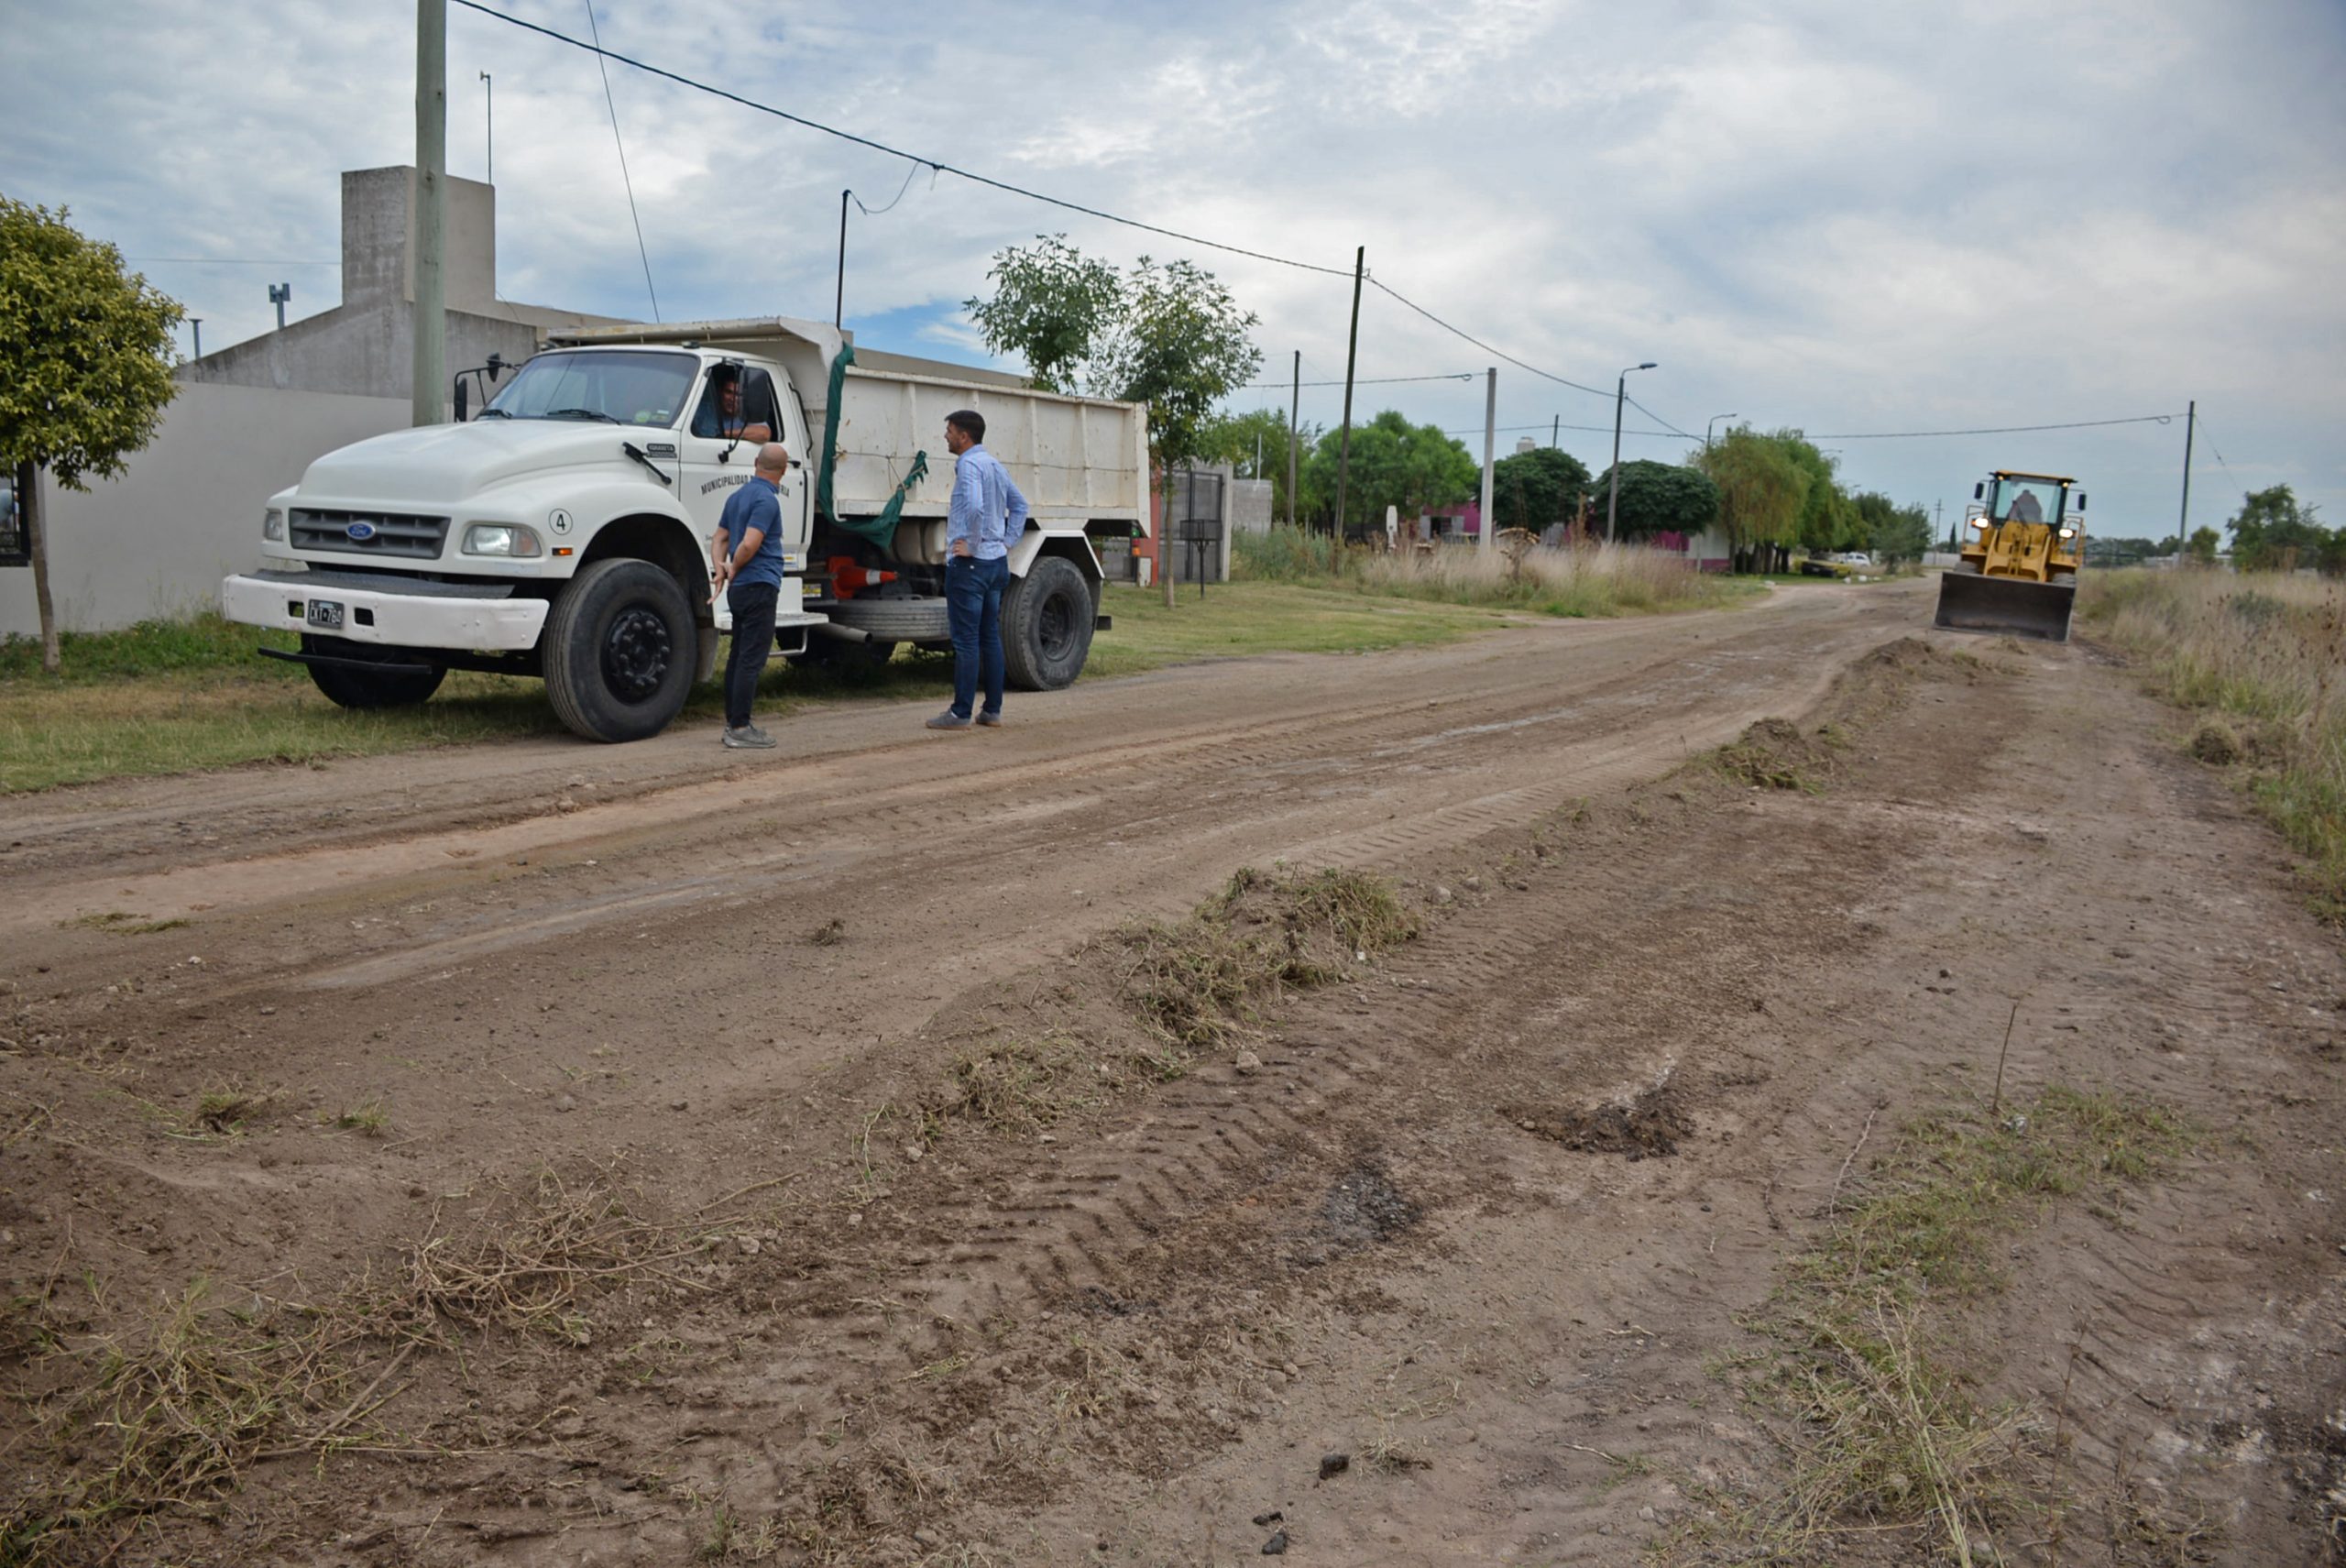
187, 510
1250, 506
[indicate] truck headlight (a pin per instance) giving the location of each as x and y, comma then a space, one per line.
272, 524
500, 539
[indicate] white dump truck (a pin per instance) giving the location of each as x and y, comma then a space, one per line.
564, 531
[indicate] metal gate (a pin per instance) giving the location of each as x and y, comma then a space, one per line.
1196, 527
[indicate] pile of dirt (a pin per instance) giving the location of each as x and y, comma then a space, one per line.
1647, 1123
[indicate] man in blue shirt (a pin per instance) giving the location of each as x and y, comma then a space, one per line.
986, 518
745, 561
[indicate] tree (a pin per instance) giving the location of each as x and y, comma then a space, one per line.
1660, 498
85, 369
1827, 520
2202, 545
1534, 488
2273, 533
1235, 439
1762, 490
1394, 464
1169, 335
1894, 533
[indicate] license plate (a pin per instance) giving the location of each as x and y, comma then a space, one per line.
325, 613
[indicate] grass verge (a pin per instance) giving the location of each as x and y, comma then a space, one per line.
1604, 581
2265, 655
1868, 1381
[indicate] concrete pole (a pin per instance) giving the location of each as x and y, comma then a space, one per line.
2183, 524
1490, 435
1294, 408
1612, 495
431, 367
1352, 356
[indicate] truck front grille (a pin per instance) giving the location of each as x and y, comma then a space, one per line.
385, 533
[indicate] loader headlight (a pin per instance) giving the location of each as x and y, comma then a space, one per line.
272, 524
2068, 533
1981, 524
500, 539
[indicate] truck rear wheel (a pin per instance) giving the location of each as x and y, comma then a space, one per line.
619, 646
348, 687
1047, 625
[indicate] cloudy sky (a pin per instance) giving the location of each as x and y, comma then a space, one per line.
1846, 216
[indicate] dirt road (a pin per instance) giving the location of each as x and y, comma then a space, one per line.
740, 1085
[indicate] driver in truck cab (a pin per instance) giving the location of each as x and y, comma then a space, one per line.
720, 417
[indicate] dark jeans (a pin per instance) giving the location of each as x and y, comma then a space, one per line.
752, 641
973, 607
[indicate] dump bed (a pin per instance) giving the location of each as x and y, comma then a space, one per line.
1076, 459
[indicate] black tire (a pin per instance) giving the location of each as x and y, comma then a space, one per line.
618, 651
1047, 619
346, 687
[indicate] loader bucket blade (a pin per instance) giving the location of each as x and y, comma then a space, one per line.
1969, 602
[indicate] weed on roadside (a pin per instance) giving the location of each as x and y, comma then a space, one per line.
368, 1116
1863, 1381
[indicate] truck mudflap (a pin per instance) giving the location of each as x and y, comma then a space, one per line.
428, 614
1969, 602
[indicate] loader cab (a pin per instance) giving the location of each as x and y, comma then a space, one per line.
2027, 497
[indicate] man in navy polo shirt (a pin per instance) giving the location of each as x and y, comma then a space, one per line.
745, 559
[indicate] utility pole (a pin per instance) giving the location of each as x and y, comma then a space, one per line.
1613, 498
1555, 429
838, 301
1294, 408
197, 322
2183, 524
1352, 354
488, 90
431, 364
1490, 435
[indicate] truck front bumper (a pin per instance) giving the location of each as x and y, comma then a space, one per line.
431, 615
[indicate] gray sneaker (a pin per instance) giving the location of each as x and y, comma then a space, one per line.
749, 737
991, 720
949, 720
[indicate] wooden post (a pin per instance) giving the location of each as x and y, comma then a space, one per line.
1352, 357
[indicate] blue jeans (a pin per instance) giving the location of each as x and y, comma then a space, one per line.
973, 609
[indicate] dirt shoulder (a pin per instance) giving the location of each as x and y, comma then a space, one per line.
790, 1189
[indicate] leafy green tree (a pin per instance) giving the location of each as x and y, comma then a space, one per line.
1238, 439
1826, 520
1394, 464
1894, 533
2273, 532
1658, 497
85, 368
1169, 335
1762, 490
2201, 546
1534, 488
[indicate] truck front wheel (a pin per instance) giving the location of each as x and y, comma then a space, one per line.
346, 685
1047, 619
618, 647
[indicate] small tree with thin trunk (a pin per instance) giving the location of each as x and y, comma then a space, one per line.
1167, 335
85, 369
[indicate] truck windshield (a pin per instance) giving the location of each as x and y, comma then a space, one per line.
623, 387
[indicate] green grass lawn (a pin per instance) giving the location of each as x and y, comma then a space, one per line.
171, 696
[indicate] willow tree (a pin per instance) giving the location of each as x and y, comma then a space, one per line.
85, 369
1762, 488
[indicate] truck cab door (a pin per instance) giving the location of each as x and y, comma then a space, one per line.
714, 466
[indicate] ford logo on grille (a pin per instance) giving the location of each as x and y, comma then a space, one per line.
360, 532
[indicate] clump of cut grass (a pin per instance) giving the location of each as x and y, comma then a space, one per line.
368, 1116
227, 1110
1774, 754
1198, 980
1020, 1085
829, 934
124, 924
2267, 653
1886, 1437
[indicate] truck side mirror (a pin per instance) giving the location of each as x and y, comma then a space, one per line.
464, 399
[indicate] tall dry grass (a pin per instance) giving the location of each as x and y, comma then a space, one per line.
1611, 580
2268, 653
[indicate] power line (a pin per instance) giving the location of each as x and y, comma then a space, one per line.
597, 49
1659, 420
624, 180
1600, 429
875, 212
1992, 429
1361, 381
1461, 332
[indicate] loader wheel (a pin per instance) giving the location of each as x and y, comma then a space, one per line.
1047, 619
346, 687
619, 647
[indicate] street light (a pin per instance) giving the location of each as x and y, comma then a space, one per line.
1613, 498
1706, 429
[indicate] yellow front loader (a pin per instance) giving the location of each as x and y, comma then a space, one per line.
2019, 572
